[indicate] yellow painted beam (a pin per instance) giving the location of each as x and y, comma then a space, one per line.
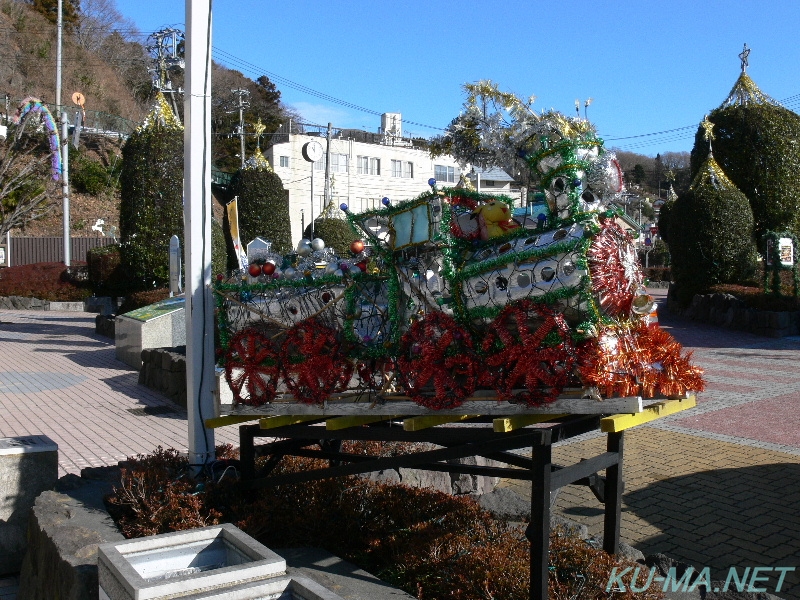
345, 422
426, 421
224, 420
617, 423
506, 424
283, 420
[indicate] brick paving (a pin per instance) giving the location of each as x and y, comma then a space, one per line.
716, 486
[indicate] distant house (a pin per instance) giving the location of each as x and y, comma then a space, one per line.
494, 181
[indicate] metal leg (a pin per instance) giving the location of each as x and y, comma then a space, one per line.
247, 451
538, 531
613, 495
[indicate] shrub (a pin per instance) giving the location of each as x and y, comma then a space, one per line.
151, 206
219, 252
336, 233
263, 208
106, 273
89, 176
142, 298
46, 281
430, 544
710, 230
756, 147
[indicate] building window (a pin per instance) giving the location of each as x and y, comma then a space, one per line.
338, 163
488, 183
444, 174
368, 165
403, 168
284, 161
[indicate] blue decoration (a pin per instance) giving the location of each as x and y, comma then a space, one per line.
432, 182
385, 201
344, 206
245, 296
576, 183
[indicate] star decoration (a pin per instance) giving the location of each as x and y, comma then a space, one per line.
708, 126
743, 57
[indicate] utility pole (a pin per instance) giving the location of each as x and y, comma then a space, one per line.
165, 50
197, 249
59, 28
242, 103
328, 170
65, 184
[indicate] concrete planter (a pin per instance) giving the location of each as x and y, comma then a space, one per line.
211, 562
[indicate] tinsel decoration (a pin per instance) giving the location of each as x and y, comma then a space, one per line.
638, 360
161, 115
436, 363
251, 367
528, 348
614, 269
33, 105
257, 162
313, 364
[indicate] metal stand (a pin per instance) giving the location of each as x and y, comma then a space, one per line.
312, 439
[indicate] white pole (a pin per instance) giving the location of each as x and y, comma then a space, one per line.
197, 218
59, 28
311, 219
65, 184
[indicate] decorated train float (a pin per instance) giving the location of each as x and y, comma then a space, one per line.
451, 297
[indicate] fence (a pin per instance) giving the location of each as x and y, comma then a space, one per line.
27, 250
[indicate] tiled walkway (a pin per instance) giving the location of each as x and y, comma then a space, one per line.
716, 486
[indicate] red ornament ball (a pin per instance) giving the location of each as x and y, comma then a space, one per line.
268, 268
362, 265
357, 247
254, 270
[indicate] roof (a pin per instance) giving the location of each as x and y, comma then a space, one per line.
493, 174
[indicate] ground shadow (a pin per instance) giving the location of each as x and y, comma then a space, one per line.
152, 403
745, 517
104, 358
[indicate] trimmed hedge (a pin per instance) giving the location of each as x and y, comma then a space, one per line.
151, 207
336, 233
263, 209
756, 146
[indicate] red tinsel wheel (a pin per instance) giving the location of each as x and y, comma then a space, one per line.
436, 364
517, 358
372, 373
251, 367
312, 362
614, 269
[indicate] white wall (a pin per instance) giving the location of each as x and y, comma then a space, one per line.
359, 191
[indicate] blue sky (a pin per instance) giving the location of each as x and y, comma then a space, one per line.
648, 66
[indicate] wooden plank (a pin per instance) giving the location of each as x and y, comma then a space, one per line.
506, 424
229, 420
283, 420
338, 423
341, 408
420, 423
621, 422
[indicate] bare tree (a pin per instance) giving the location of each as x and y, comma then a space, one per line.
97, 20
27, 188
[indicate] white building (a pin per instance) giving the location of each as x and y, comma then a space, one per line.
362, 173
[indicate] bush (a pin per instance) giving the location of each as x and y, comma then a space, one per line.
46, 281
336, 233
142, 298
106, 274
710, 230
151, 207
263, 208
89, 176
756, 147
219, 251
430, 544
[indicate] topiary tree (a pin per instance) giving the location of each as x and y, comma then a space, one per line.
263, 204
219, 253
709, 230
151, 193
336, 233
756, 145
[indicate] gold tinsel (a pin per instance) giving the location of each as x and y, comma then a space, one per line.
161, 115
711, 175
257, 162
744, 92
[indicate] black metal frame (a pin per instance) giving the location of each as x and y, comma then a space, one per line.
457, 442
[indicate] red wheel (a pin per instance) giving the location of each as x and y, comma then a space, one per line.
614, 269
436, 363
529, 347
312, 363
251, 367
